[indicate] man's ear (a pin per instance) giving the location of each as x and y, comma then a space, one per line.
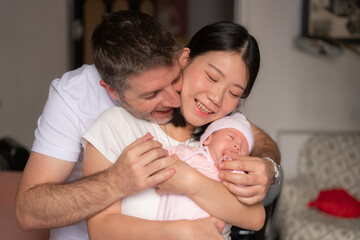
184, 57
110, 90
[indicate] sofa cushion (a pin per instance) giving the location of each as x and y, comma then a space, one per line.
337, 202
332, 160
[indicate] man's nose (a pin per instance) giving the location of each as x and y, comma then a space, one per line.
172, 97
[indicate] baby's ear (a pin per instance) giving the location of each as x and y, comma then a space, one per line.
207, 140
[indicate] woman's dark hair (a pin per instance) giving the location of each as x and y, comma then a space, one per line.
225, 36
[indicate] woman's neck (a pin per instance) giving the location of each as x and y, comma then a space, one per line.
181, 134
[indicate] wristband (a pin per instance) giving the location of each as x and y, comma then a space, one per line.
276, 179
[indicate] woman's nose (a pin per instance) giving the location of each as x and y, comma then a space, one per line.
216, 96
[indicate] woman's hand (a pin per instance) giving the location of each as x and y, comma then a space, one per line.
249, 188
202, 229
182, 182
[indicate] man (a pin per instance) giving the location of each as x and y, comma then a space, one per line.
51, 194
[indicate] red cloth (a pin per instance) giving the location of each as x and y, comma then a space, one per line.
337, 202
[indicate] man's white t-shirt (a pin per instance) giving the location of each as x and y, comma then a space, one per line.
74, 103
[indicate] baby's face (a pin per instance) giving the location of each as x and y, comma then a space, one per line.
227, 138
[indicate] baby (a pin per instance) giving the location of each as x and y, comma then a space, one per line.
231, 133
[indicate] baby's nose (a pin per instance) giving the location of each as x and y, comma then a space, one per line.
236, 146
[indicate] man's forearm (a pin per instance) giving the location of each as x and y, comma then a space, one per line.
264, 145
56, 205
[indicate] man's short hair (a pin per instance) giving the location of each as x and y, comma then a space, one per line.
127, 43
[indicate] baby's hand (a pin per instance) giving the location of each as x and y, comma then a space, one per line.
224, 158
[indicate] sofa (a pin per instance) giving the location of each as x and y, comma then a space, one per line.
9, 227
327, 161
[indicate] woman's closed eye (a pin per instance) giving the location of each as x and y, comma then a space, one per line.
211, 78
234, 94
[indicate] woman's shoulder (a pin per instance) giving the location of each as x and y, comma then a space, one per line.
116, 112
121, 118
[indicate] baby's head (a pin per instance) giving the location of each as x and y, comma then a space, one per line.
231, 133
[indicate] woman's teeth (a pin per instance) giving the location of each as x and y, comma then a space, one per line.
202, 107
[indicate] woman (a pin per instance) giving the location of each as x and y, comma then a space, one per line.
220, 66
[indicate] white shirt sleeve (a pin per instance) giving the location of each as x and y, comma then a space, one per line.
58, 133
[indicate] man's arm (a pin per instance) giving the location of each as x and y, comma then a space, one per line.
44, 200
264, 145
252, 187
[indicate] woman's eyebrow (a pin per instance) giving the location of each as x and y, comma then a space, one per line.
217, 69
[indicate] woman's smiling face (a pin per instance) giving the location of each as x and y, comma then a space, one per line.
213, 84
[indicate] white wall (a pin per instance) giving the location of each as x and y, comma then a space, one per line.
34, 50
296, 90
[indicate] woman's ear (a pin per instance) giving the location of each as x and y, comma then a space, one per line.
110, 90
184, 57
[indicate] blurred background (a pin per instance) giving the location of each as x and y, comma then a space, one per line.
296, 91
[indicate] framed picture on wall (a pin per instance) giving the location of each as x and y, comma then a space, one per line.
334, 19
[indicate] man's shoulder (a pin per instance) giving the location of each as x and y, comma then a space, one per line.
80, 89
84, 77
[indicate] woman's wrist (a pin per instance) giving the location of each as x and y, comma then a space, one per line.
193, 182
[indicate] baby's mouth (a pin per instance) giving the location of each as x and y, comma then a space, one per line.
202, 107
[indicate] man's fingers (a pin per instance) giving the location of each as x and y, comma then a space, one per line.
160, 177
154, 155
138, 148
235, 155
139, 140
243, 191
244, 165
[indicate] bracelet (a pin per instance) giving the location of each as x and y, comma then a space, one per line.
276, 179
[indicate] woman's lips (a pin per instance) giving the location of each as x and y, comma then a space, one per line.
202, 107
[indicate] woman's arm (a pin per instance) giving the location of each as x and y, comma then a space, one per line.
213, 197
111, 224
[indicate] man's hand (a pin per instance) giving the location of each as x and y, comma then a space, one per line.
249, 188
142, 164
